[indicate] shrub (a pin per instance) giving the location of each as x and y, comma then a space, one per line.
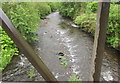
24, 17
113, 31
72, 9
8, 49
67, 9
84, 14
86, 22
43, 9
54, 6
92, 6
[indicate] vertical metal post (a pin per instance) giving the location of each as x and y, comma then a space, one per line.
100, 37
26, 48
0, 40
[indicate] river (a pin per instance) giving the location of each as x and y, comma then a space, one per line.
58, 35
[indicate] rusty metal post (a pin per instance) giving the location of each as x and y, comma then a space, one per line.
25, 48
100, 37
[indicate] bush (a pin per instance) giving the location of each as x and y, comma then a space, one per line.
84, 14
72, 9
25, 18
43, 9
67, 9
8, 49
54, 6
87, 22
92, 6
113, 31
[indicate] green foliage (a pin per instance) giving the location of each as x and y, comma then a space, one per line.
26, 15
71, 9
43, 9
92, 6
25, 18
87, 22
54, 6
31, 73
84, 14
8, 49
74, 78
64, 63
63, 60
113, 31
67, 9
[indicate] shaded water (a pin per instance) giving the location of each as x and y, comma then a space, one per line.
60, 35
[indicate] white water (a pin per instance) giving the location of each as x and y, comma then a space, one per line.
71, 49
107, 76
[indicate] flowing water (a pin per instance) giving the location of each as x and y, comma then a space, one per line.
58, 35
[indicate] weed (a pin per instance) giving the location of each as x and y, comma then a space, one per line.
64, 63
31, 73
74, 78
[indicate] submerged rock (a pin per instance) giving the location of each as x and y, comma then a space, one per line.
61, 54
